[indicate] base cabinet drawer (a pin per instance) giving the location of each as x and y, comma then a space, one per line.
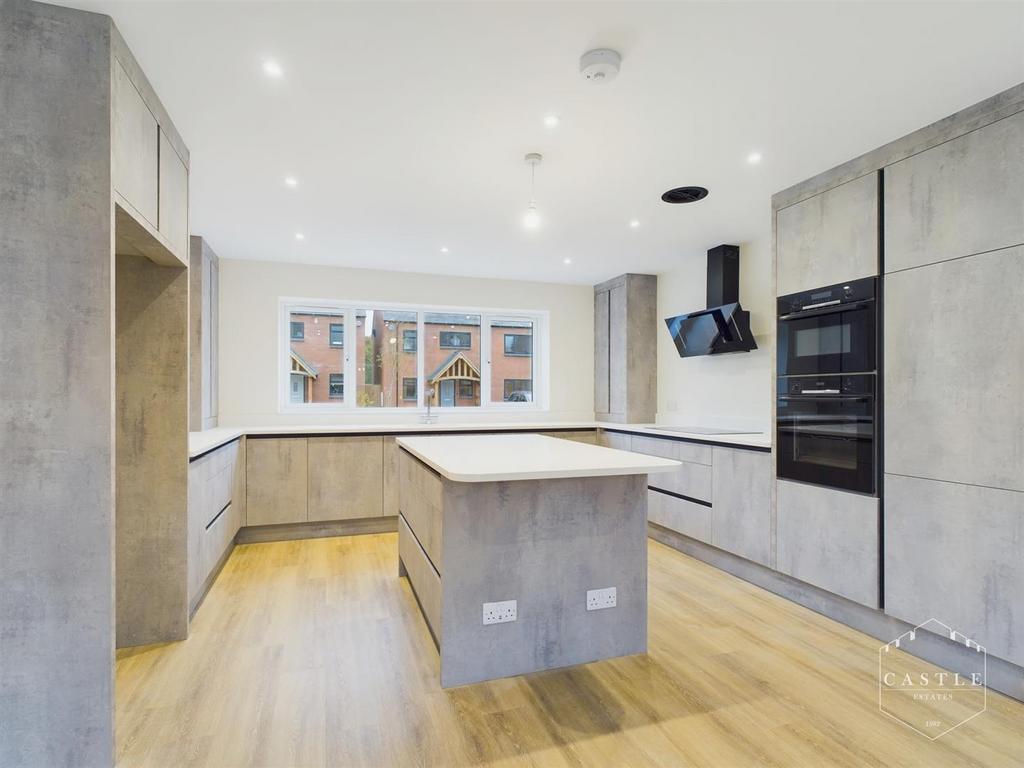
275, 480
679, 515
742, 495
829, 538
616, 440
422, 576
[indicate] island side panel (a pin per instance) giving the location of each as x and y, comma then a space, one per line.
543, 543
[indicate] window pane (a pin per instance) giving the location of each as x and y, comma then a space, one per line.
337, 386
512, 372
409, 340
337, 334
452, 358
409, 388
314, 359
382, 364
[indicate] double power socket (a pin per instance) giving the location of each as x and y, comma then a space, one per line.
507, 610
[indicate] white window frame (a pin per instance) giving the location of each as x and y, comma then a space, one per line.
347, 310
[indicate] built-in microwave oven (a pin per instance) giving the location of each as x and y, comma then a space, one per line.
828, 330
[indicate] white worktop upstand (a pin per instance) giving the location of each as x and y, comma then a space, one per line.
497, 458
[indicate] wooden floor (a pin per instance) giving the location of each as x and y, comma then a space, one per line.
314, 653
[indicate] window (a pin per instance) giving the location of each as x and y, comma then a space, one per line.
518, 390
397, 356
337, 335
409, 388
455, 340
518, 344
337, 385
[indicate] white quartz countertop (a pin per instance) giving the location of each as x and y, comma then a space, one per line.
491, 458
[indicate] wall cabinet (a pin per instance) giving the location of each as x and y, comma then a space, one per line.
953, 552
962, 197
828, 238
345, 477
953, 366
135, 147
173, 198
275, 472
829, 538
625, 349
741, 492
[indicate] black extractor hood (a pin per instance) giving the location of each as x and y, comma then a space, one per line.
724, 326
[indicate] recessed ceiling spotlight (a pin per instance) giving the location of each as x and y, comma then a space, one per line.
551, 121
685, 195
754, 158
299, 236
291, 181
272, 69
444, 249
634, 223
567, 260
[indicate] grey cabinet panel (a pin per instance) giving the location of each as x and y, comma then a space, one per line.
828, 238
958, 198
953, 552
617, 368
275, 480
391, 480
216, 503
741, 519
173, 198
346, 477
616, 440
694, 453
828, 538
422, 501
954, 361
691, 479
134, 145
601, 352
680, 515
204, 281
422, 577
589, 437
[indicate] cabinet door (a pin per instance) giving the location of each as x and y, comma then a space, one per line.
615, 440
961, 197
741, 519
828, 238
346, 477
828, 538
954, 361
953, 552
134, 146
173, 198
275, 480
679, 515
391, 479
617, 374
601, 352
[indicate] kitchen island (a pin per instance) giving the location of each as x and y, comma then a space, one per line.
489, 519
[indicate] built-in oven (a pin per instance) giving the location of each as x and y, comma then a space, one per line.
828, 330
826, 431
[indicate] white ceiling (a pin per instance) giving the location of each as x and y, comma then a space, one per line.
406, 124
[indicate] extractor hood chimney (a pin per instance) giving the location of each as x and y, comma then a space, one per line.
724, 326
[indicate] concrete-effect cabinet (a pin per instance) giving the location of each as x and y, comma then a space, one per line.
345, 477
625, 348
828, 238
953, 552
204, 283
686, 517
275, 473
954, 362
741, 492
216, 510
829, 538
390, 499
173, 198
962, 197
135, 147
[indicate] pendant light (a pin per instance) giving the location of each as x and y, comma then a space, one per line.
531, 220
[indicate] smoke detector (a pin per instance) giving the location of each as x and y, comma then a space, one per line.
600, 65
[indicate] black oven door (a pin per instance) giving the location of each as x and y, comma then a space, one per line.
827, 441
831, 340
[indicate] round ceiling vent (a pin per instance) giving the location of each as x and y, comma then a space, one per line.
685, 195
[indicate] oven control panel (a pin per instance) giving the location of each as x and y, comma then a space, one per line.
841, 293
863, 384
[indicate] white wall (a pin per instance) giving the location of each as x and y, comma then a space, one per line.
731, 390
249, 294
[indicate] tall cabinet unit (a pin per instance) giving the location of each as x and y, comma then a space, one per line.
625, 349
954, 446
204, 283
